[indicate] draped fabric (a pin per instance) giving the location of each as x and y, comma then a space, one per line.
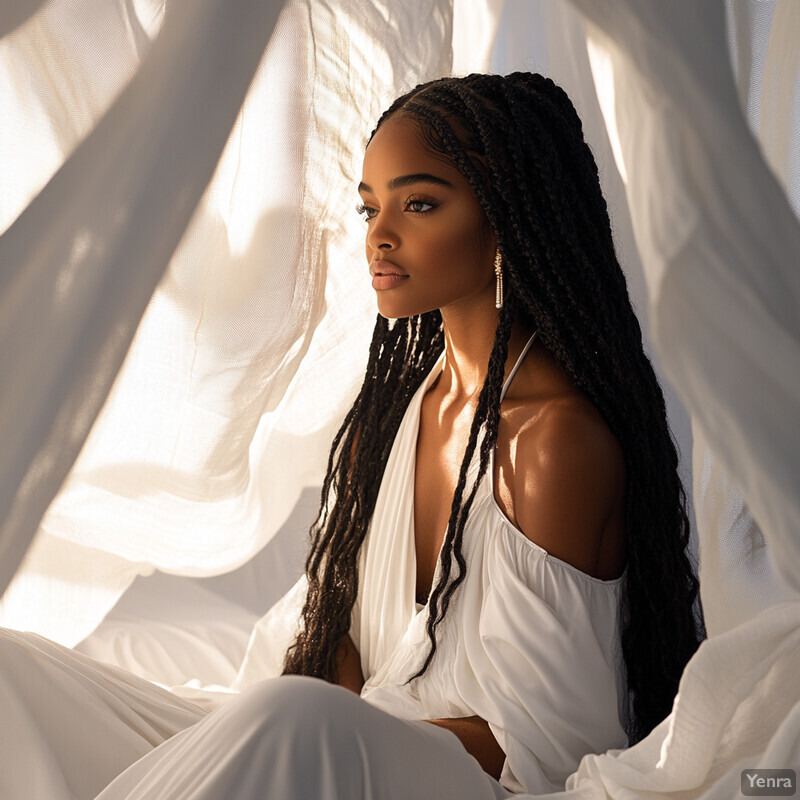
234, 269
237, 377
81, 261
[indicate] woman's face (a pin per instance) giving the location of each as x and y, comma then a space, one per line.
424, 238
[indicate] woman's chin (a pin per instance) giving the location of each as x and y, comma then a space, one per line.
389, 308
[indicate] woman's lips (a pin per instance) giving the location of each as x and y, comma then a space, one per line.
385, 275
388, 281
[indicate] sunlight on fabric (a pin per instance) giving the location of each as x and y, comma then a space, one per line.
28, 160
57, 108
147, 19
46, 585
252, 345
59, 572
251, 185
603, 77
81, 245
474, 32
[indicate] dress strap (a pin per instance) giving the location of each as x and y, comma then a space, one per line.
516, 366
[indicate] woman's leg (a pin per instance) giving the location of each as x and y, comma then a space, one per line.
69, 725
304, 739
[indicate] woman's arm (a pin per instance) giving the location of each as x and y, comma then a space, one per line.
478, 740
348, 666
474, 732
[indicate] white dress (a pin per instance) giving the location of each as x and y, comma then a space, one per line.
530, 644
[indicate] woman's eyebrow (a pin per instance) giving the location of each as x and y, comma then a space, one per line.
407, 180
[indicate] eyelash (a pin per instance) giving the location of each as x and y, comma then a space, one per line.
370, 212
361, 210
421, 202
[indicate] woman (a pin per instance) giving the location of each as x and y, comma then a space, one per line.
502, 522
486, 226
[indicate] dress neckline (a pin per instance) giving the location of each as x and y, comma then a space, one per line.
418, 410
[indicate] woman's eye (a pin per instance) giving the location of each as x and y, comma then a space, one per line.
366, 211
419, 206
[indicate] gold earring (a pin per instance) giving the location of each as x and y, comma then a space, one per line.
498, 273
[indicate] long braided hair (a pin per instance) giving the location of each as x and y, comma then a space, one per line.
519, 143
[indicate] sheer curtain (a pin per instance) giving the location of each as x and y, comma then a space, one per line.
111, 162
254, 339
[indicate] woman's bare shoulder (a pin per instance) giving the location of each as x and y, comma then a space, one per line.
567, 477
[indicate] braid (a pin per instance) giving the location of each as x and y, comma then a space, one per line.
519, 143
487, 414
401, 355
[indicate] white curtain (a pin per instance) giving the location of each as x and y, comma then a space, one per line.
253, 341
108, 163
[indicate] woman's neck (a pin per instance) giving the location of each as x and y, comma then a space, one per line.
469, 339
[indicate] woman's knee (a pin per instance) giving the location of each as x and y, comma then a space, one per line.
300, 723
296, 704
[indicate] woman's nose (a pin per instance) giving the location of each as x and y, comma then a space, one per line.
382, 234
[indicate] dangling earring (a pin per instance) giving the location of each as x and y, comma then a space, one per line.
498, 273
